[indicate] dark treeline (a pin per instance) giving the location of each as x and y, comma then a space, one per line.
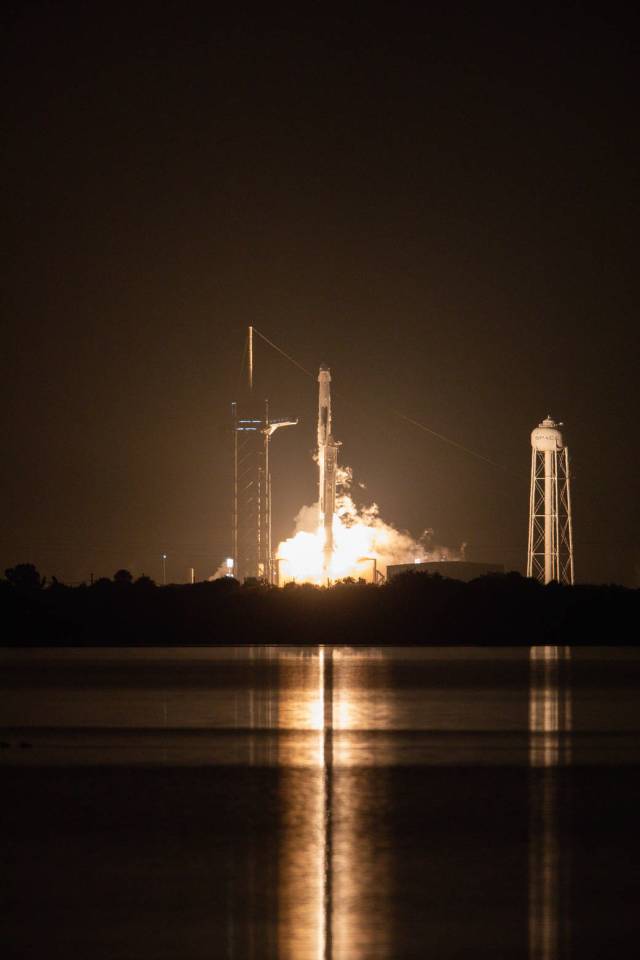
415, 608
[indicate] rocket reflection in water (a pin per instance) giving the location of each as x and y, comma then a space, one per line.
333, 872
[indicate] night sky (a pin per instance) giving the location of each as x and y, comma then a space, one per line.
442, 206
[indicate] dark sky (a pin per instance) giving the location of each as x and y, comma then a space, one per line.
443, 206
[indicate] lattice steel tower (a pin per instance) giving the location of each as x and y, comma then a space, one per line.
550, 553
251, 512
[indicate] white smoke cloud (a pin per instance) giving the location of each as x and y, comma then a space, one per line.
364, 543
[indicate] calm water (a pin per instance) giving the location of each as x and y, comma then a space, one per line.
320, 803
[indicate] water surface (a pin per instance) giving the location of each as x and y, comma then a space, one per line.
321, 803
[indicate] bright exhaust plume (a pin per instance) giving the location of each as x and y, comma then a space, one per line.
363, 543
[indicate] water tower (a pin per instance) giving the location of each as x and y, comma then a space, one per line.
550, 554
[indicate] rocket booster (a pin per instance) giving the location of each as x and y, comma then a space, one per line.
327, 461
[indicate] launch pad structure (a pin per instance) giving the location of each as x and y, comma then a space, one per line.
251, 511
252, 550
550, 542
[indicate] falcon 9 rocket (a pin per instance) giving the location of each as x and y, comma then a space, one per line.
327, 463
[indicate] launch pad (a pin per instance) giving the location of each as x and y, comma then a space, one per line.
336, 539
251, 511
252, 550
251, 536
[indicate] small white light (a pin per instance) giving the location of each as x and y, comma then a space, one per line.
229, 563
417, 560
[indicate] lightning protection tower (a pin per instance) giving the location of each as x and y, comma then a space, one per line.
550, 553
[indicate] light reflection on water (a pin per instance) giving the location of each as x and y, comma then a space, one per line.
550, 721
347, 737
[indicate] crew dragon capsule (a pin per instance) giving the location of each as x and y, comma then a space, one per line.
327, 462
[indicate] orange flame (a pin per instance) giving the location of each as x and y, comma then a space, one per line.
363, 543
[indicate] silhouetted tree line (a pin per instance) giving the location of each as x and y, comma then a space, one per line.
414, 608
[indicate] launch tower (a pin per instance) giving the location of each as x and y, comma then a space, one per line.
550, 553
251, 514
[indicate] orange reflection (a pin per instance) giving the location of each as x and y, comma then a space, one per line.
550, 721
361, 925
330, 873
304, 870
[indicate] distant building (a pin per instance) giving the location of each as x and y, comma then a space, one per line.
454, 569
